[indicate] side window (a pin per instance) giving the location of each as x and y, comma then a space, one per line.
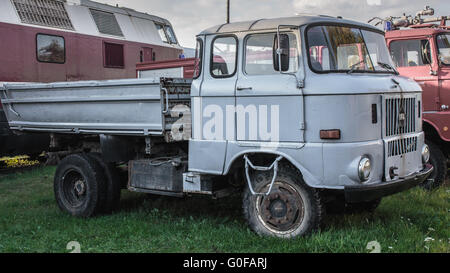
50, 49
198, 59
443, 43
223, 58
113, 55
259, 54
408, 53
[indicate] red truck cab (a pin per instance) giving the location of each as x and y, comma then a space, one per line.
421, 51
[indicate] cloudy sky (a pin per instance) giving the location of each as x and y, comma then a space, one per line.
189, 17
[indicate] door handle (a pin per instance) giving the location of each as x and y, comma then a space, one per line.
240, 88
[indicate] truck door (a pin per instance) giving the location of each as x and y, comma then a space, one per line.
414, 59
269, 106
207, 148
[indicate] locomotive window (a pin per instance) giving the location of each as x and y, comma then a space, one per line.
50, 49
171, 35
408, 53
223, 57
113, 55
162, 33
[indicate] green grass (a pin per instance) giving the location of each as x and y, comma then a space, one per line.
30, 221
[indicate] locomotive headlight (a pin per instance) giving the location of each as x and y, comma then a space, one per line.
364, 169
425, 153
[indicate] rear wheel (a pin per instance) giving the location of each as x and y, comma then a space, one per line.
79, 185
291, 209
112, 186
439, 162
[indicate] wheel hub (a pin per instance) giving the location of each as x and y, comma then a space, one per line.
279, 209
79, 187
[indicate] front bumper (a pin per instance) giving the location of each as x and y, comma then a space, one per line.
364, 193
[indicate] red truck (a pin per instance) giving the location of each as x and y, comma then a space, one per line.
420, 47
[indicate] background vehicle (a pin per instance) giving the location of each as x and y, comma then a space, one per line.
180, 68
421, 50
48, 40
257, 116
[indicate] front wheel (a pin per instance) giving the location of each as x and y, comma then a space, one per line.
291, 209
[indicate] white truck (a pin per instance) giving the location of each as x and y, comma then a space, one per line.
301, 114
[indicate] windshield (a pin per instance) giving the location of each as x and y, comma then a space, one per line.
347, 49
443, 42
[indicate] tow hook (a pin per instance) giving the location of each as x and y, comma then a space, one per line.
273, 166
392, 173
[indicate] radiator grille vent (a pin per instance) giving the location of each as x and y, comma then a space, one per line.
49, 13
400, 116
106, 23
402, 146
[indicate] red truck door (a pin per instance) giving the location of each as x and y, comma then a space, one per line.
414, 59
443, 55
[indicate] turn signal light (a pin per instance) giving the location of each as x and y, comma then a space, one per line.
330, 134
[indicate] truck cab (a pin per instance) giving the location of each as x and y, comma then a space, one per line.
302, 114
420, 50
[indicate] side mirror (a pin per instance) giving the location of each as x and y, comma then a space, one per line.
281, 51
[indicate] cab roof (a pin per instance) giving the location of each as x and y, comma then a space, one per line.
413, 32
263, 24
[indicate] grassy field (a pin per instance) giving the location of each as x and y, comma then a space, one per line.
30, 221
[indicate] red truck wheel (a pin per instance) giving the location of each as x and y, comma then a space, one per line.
439, 162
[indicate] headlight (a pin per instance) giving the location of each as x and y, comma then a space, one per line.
425, 153
364, 169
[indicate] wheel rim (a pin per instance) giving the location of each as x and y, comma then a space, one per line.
282, 211
74, 188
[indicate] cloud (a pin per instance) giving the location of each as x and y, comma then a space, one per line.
190, 17
363, 10
374, 2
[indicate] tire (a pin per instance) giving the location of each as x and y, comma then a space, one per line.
79, 186
439, 162
292, 209
112, 186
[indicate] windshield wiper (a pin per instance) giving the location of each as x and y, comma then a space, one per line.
353, 67
387, 67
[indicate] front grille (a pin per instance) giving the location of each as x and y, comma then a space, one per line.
400, 116
402, 146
